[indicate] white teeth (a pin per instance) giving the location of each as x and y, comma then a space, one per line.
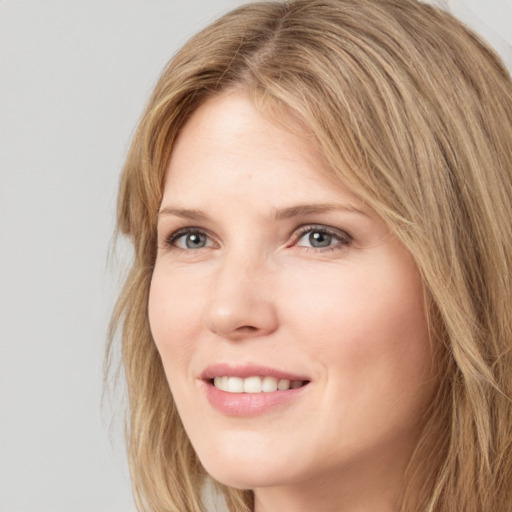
221, 383
269, 384
235, 385
254, 384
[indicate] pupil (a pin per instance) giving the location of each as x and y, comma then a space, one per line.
317, 239
195, 241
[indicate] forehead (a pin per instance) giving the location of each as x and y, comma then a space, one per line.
230, 145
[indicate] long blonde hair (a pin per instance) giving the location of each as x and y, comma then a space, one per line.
414, 113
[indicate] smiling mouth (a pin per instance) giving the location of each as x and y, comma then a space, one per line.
255, 384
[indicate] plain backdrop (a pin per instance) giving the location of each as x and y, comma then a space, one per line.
74, 77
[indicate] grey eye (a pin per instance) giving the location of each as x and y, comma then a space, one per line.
320, 238
195, 240
192, 240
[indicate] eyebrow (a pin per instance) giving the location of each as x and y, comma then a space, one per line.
300, 210
184, 213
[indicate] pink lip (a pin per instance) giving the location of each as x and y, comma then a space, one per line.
248, 404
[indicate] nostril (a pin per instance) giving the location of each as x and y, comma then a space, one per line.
247, 328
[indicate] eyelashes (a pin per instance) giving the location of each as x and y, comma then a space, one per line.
321, 237
189, 239
313, 236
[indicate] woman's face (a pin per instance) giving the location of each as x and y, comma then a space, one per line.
269, 275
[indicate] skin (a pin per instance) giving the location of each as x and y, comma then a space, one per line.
349, 316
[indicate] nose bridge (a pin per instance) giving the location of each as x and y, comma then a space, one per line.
240, 302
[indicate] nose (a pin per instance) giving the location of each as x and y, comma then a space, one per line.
241, 305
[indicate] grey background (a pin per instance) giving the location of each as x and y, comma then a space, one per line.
74, 77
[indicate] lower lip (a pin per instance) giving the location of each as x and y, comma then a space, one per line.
249, 404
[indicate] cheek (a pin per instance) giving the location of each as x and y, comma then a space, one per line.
368, 332
174, 310
366, 324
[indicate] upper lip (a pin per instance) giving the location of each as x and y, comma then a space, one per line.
247, 370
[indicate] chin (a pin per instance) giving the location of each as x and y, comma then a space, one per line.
247, 478
242, 472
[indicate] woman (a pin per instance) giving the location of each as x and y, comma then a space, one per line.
318, 315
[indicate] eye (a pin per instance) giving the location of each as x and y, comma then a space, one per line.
189, 239
320, 237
